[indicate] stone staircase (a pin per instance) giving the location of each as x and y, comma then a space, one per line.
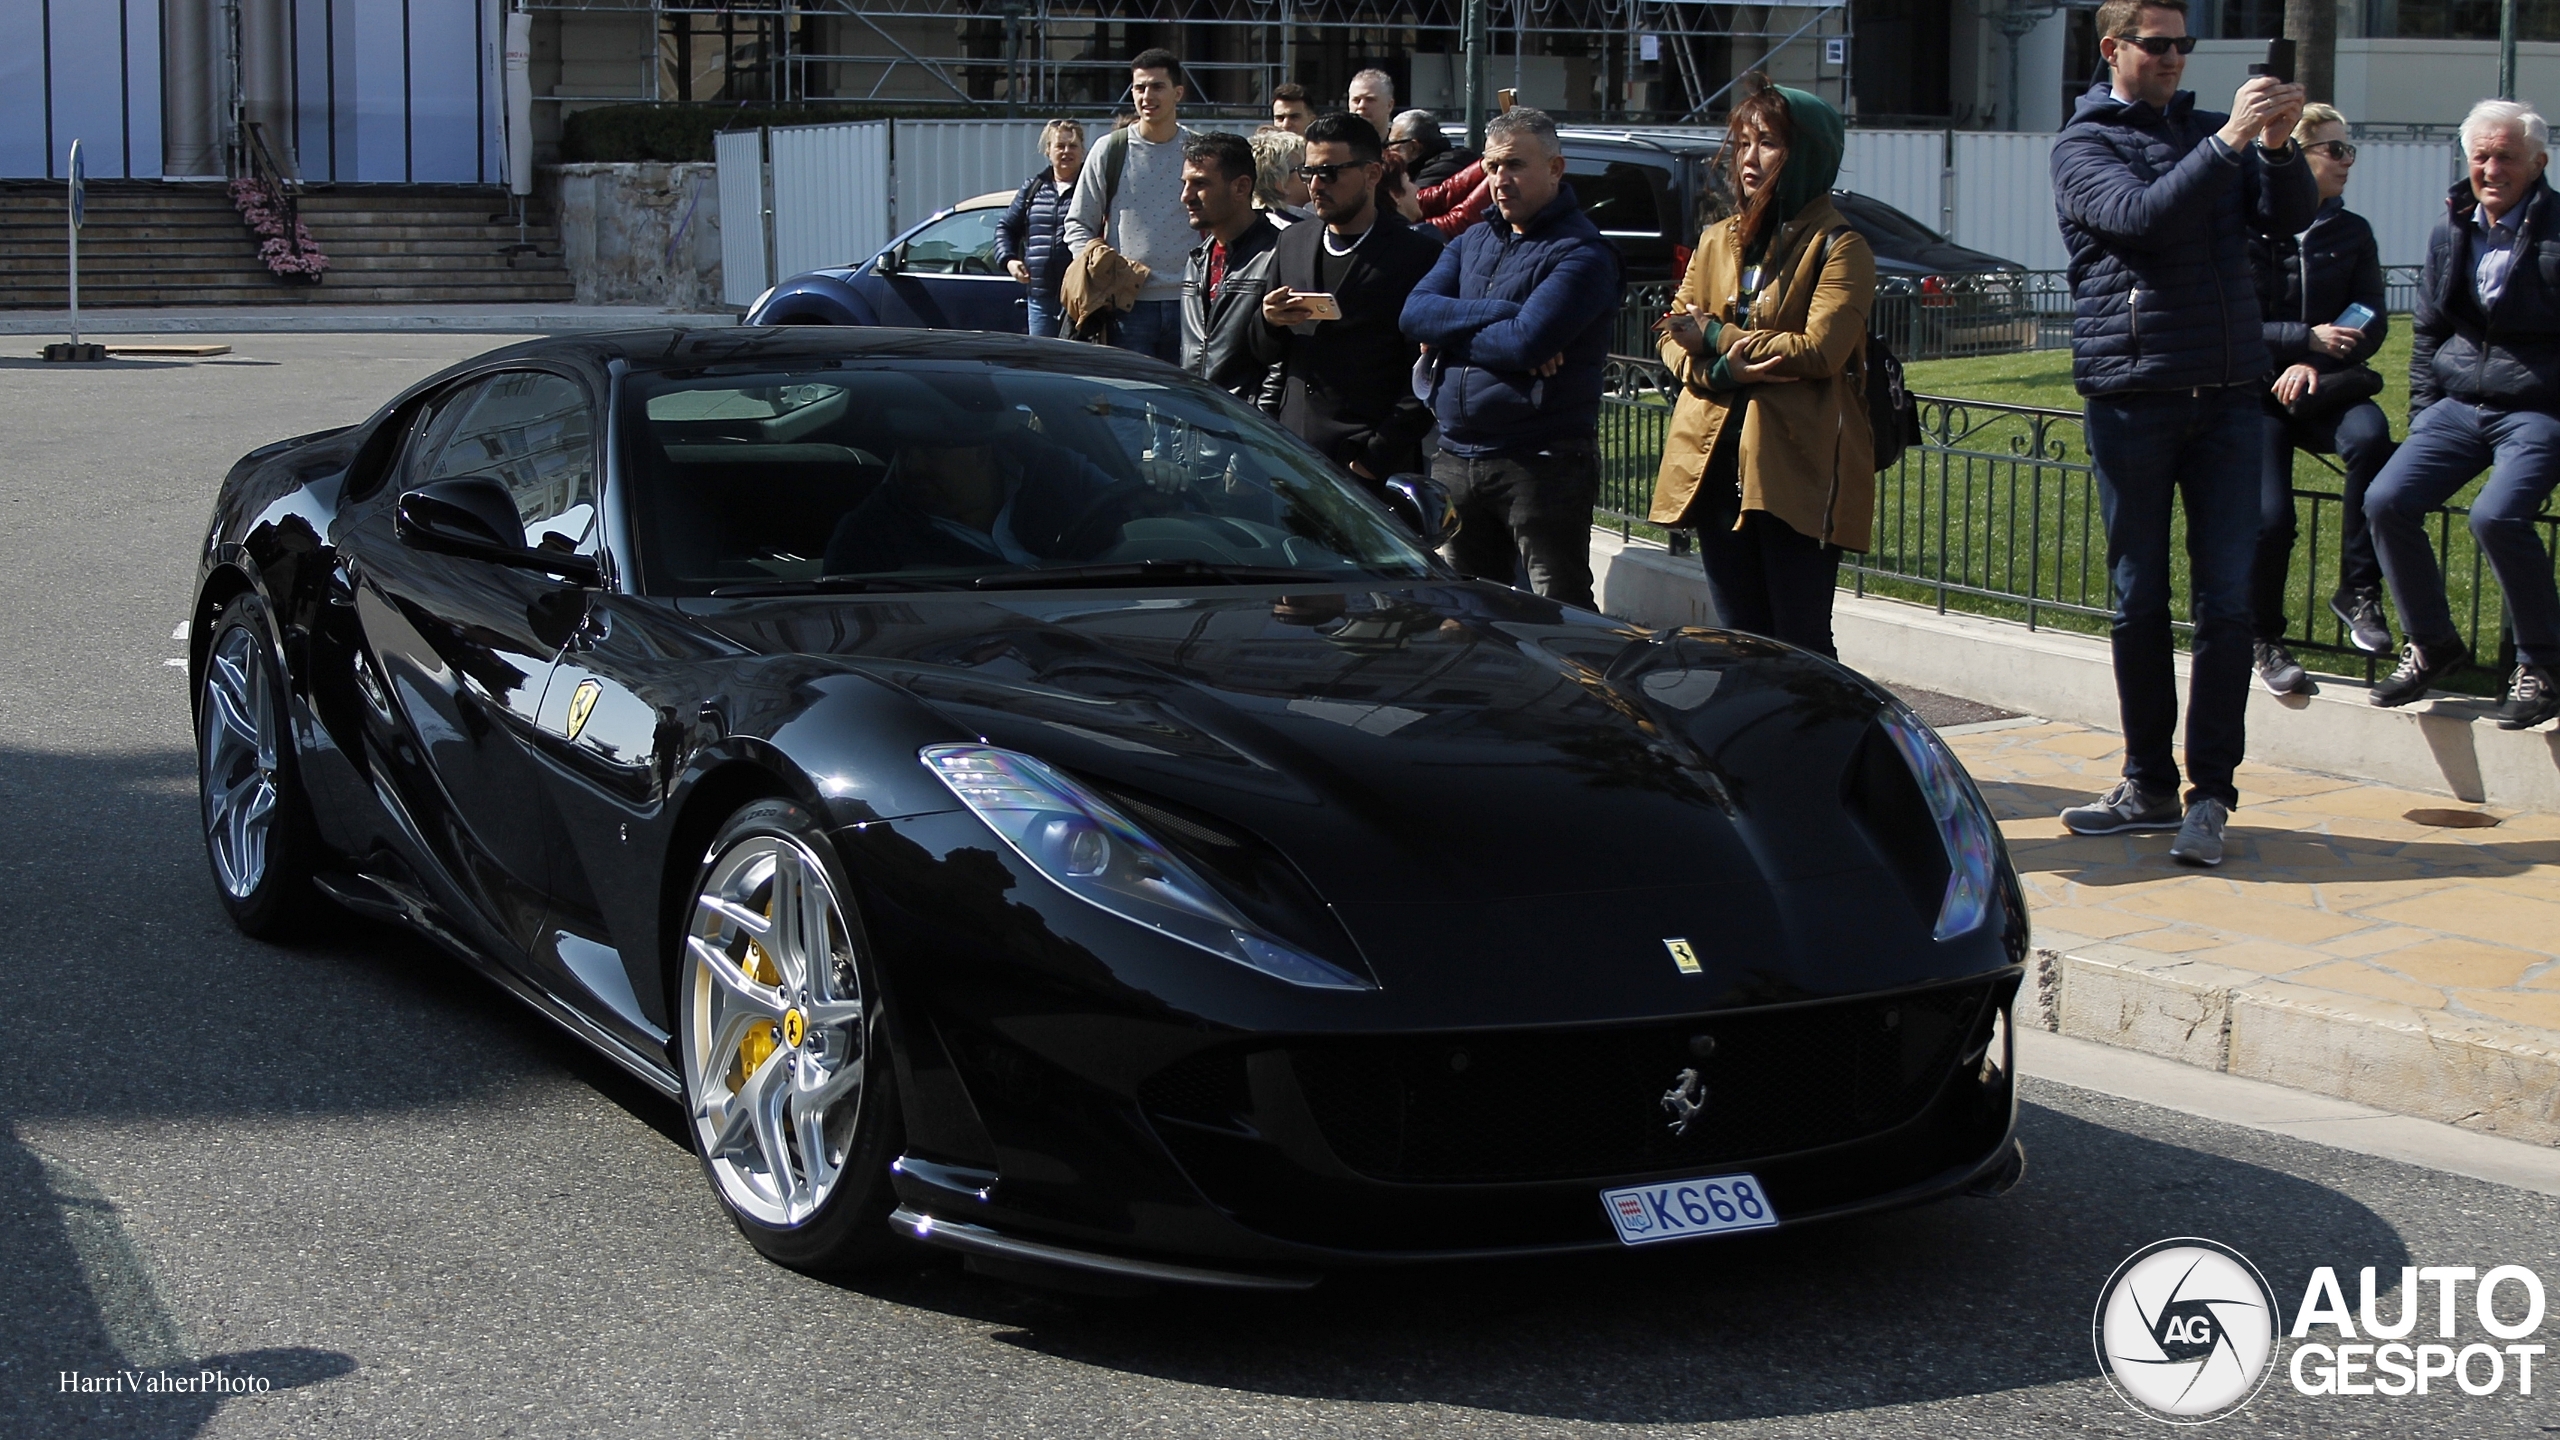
185, 245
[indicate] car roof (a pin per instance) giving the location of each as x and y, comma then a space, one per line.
1661, 139
992, 200
761, 345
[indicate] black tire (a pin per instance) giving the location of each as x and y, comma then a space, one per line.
244, 744
844, 1225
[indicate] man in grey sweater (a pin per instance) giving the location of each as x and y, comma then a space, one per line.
1130, 195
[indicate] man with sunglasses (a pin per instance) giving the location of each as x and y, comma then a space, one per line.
1346, 384
2157, 201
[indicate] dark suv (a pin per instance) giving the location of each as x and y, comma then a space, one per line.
1654, 192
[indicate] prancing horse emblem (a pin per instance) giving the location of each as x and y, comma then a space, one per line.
1686, 1100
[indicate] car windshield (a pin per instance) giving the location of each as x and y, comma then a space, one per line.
902, 475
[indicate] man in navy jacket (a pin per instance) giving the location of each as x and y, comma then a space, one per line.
2484, 390
1514, 321
2157, 201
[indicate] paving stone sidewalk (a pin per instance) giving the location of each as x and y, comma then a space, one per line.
2332, 901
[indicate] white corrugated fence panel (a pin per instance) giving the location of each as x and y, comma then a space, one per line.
2398, 186
2004, 198
1902, 168
740, 155
830, 195
943, 162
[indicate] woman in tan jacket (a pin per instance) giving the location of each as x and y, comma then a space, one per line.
1770, 453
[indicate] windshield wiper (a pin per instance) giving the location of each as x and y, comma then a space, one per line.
825, 585
1155, 572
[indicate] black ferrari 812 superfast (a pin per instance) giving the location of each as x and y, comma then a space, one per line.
1014, 798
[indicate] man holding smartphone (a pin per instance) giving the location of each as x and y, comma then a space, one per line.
2157, 201
1329, 317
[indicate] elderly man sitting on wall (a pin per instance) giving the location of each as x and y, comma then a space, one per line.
2484, 391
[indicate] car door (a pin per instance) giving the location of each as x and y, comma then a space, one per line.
945, 277
455, 651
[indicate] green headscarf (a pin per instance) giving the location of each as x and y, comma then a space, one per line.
1813, 158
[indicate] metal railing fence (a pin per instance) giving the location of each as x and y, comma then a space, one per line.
1996, 512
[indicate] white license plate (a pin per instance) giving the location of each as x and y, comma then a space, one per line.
1680, 1209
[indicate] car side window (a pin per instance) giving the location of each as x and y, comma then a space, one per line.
961, 244
1620, 199
532, 431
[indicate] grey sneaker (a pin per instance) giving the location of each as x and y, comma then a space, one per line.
2125, 807
2199, 840
2279, 671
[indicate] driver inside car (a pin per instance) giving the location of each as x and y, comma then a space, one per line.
1018, 501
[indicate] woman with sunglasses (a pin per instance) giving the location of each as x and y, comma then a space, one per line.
2312, 289
1770, 455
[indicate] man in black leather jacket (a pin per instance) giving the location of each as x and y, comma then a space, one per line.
1223, 281
2484, 390
2321, 397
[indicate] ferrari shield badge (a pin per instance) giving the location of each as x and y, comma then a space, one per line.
1681, 953
582, 703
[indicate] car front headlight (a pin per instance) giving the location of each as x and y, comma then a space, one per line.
1090, 850
1964, 827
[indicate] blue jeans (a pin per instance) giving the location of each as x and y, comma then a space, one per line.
2151, 451
2448, 443
1044, 318
1152, 327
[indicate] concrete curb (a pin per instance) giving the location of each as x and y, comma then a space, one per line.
2482, 1076
2444, 747
357, 320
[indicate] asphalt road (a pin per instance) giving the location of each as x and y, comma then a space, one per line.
360, 1175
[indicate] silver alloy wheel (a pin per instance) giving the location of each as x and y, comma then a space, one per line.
774, 1041
236, 744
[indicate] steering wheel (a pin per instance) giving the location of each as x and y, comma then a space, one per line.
1101, 507
976, 263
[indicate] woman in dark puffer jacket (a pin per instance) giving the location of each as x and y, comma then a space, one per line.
2320, 399
1027, 243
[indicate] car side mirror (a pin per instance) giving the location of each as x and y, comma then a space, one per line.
891, 261
475, 516
1424, 507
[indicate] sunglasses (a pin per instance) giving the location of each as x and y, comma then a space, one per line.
2156, 46
1329, 173
2336, 150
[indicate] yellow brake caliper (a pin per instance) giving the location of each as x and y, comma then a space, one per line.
760, 1037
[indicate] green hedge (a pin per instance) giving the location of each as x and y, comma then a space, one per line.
621, 133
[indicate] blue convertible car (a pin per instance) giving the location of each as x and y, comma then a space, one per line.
941, 275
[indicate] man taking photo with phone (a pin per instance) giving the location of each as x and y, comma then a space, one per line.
1330, 318
2157, 202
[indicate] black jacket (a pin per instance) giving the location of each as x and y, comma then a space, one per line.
2307, 279
2157, 214
1347, 384
2510, 357
1440, 164
1030, 233
1217, 330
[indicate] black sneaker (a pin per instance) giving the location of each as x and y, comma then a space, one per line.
2361, 612
2279, 671
2420, 668
2531, 699
2125, 807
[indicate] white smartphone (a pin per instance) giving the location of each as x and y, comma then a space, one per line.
2355, 317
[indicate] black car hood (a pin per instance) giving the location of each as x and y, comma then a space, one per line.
1458, 768
1442, 741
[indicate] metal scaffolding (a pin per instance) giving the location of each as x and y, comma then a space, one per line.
1639, 61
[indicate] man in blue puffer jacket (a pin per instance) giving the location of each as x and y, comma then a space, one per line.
2157, 201
1515, 323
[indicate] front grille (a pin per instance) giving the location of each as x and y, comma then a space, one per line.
1534, 1106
